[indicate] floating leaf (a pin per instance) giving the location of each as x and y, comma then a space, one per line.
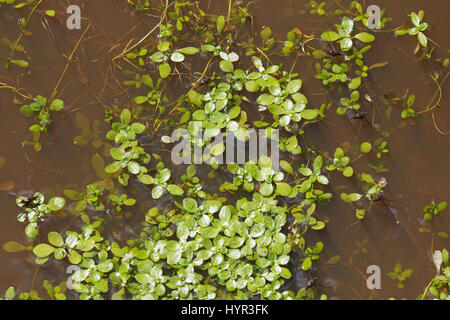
43, 250
422, 39
188, 50
177, 57
365, 37
226, 66
55, 239
20, 63
175, 190
366, 147
56, 203
355, 83
307, 264
309, 114
50, 13
330, 36
164, 70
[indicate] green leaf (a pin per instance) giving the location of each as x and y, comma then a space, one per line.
32, 230
265, 99
347, 25
307, 264
348, 172
217, 149
125, 116
294, 85
164, 70
353, 197
113, 167
74, 257
366, 147
422, 39
164, 46
188, 50
323, 180
57, 105
330, 36
137, 128
50, 13
26, 111
252, 86
175, 190
401, 32
220, 23
309, 114
415, 19
177, 57
266, 189
226, 66
346, 44
210, 232
266, 33
80, 275
355, 83
56, 203
55, 239
145, 179
158, 57
43, 250
286, 167
140, 99
365, 37
134, 167
442, 206
190, 205
20, 63
285, 273
318, 163
10, 293
105, 266
157, 192
283, 189
360, 213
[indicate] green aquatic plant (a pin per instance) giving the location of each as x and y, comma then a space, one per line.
317, 8
400, 275
161, 182
341, 163
439, 286
42, 110
331, 73
356, 9
293, 42
165, 54
382, 149
433, 209
121, 200
418, 29
234, 238
35, 210
344, 35
290, 145
349, 103
140, 4
408, 111
260, 173
311, 254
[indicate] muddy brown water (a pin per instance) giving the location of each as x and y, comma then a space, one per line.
418, 162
